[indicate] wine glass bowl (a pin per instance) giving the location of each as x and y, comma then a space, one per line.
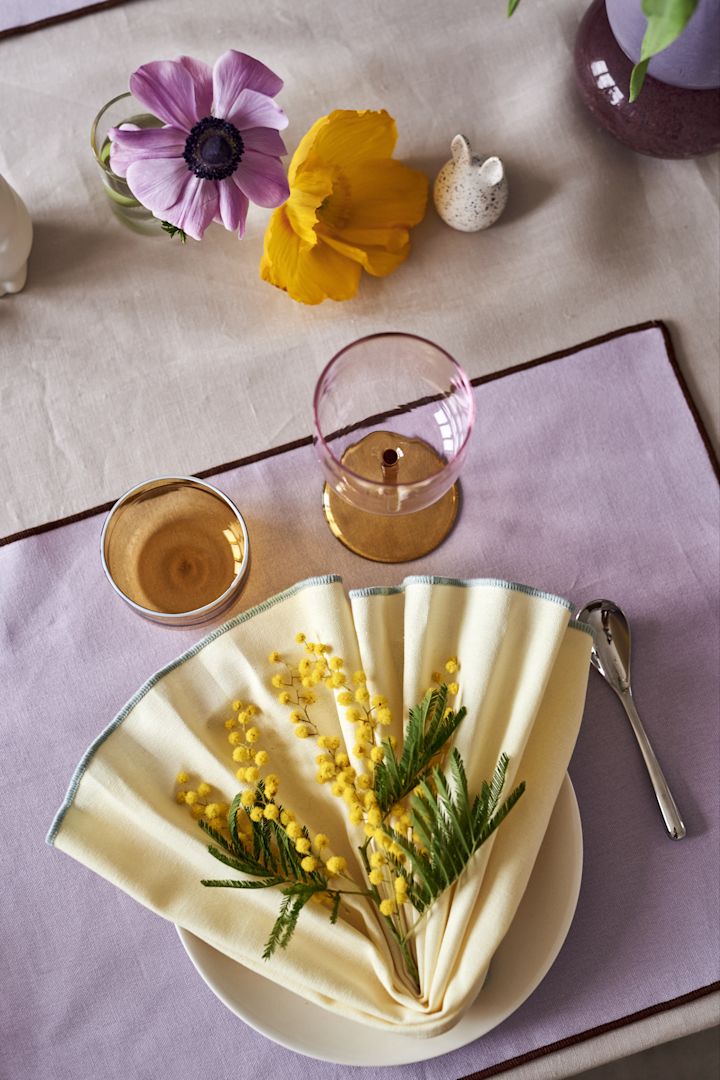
393, 414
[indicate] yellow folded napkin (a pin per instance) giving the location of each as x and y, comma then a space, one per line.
522, 675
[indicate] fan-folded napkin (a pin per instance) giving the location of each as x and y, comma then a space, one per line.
523, 676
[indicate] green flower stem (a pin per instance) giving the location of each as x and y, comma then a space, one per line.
407, 956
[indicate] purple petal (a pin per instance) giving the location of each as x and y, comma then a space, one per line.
253, 110
233, 207
203, 79
264, 140
158, 183
196, 207
262, 179
130, 143
235, 72
167, 89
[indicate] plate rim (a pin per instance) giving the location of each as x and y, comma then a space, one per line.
413, 1049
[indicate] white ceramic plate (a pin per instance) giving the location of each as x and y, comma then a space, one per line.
522, 960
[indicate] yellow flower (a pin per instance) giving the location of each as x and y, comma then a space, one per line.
388, 907
284, 697
302, 844
271, 812
293, 830
256, 813
452, 665
453, 688
351, 206
252, 734
356, 815
272, 783
345, 698
180, 797
336, 664
309, 863
320, 841
203, 789
300, 638
362, 695
376, 877
237, 705
277, 681
182, 778
240, 753
235, 737
251, 775
197, 811
274, 658
336, 864
377, 859
384, 716
190, 797
248, 797
401, 889
377, 754
359, 677
302, 731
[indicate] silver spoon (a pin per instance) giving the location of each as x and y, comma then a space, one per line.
611, 657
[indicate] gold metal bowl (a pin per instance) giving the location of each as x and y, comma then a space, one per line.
176, 549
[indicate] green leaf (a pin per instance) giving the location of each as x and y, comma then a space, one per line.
512, 4
335, 908
214, 835
173, 230
666, 21
242, 864
235, 884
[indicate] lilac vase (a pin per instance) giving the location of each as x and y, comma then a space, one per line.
677, 113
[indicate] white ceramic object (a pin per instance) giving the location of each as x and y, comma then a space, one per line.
16, 236
470, 194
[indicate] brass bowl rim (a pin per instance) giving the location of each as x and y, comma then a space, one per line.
196, 614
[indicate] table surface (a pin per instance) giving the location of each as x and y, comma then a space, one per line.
127, 357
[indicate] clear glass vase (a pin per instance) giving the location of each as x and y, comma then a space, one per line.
123, 109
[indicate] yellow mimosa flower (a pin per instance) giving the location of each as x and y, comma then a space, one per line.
351, 207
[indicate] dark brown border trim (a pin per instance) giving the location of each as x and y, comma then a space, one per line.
65, 16
216, 470
601, 1029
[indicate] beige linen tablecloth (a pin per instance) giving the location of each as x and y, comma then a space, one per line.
127, 357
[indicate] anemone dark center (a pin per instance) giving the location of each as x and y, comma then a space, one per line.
213, 149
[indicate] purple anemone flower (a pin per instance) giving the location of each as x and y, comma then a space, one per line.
219, 148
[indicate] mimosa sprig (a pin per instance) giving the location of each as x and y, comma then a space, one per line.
421, 825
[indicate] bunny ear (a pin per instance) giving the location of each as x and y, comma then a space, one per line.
461, 152
492, 171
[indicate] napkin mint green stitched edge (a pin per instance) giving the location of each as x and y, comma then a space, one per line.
244, 616
472, 583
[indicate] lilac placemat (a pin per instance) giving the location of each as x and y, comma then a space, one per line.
587, 476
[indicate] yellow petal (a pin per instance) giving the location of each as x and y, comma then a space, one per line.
386, 193
376, 260
347, 136
308, 274
312, 185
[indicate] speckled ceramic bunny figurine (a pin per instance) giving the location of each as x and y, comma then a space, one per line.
16, 235
470, 194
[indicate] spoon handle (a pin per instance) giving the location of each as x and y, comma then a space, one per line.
668, 808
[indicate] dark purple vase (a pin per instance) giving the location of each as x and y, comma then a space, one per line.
666, 120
